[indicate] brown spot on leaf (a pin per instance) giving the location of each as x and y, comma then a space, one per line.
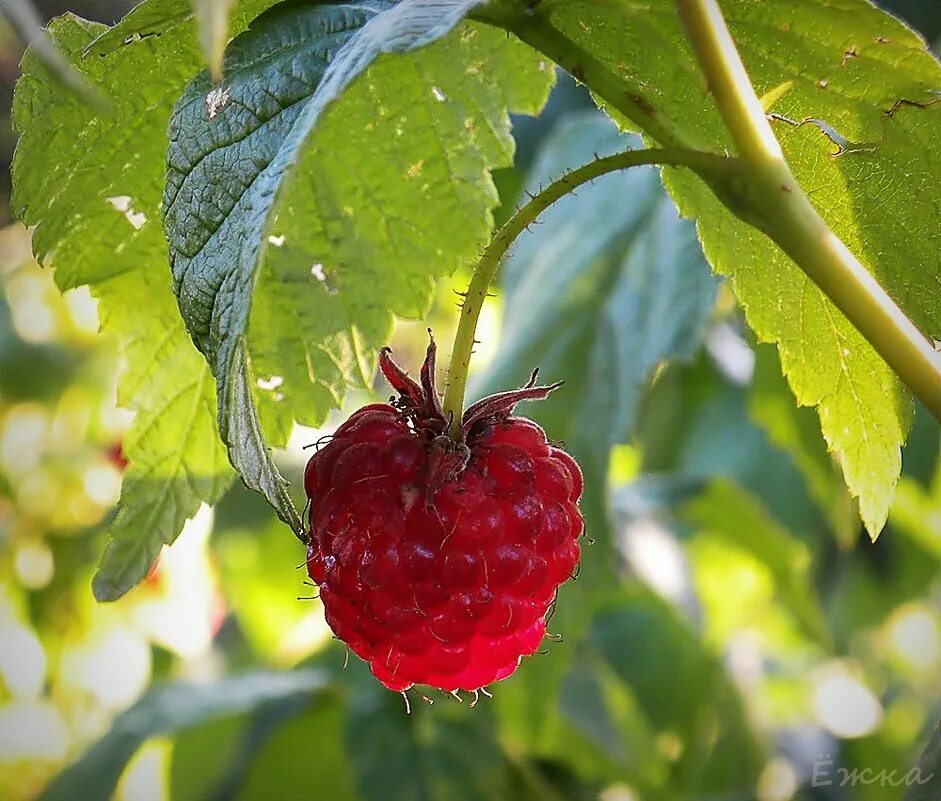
643, 104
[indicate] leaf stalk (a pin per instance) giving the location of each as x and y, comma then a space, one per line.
764, 193
787, 216
722, 169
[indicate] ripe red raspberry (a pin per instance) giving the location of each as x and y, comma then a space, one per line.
438, 560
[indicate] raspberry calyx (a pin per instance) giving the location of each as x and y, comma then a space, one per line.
438, 559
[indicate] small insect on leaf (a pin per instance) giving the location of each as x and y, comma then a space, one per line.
218, 98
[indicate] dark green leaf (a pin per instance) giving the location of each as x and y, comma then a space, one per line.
166, 709
598, 705
696, 426
290, 766
434, 754
202, 756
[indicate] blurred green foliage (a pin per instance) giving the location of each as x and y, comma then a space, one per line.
732, 633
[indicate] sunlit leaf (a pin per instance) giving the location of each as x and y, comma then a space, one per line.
873, 85
28, 24
91, 182
259, 173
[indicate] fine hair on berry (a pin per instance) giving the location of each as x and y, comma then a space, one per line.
438, 557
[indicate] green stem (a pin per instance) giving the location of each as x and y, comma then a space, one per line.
789, 218
489, 262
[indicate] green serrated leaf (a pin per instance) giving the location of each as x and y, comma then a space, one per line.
27, 23
150, 18
153, 18
276, 220
871, 86
166, 709
729, 513
599, 294
91, 183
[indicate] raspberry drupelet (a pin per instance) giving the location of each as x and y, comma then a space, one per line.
437, 559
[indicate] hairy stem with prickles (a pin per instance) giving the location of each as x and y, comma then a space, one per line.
790, 219
765, 194
721, 167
